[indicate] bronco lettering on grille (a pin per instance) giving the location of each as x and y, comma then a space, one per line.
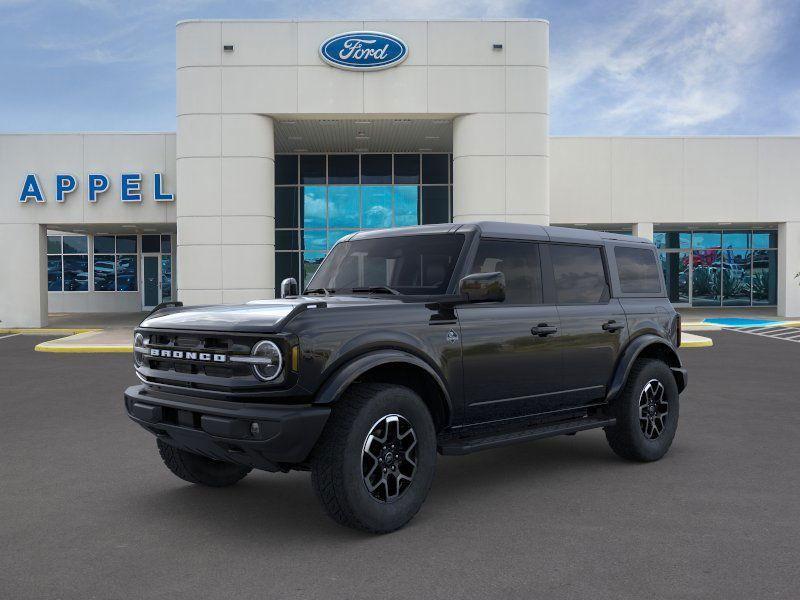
180, 354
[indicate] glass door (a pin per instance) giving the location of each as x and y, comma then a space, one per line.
151, 280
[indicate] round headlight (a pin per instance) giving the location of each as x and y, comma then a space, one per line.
138, 343
270, 360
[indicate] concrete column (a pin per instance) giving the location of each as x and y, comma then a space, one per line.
788, 266
644, 230
23, 271
501, 168
226, 222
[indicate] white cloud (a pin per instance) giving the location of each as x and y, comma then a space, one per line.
669, 69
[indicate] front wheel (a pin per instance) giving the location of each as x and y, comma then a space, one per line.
374, 463
647, 413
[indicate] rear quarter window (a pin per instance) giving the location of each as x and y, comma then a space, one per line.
638, 270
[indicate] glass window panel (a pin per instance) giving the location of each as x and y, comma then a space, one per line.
638, 271
285, 169
736, 277
343, 168
150, 243
104, 244
406, 205
406, 168
736, 239
765, 277
334, 235
376, 206
286, 207
435, 205
672, 239
314, 206
434, 168
311, 262
286, 240
126, 244
343, 206
315, 239
579, 274
126, 273
286, 265
519, 262
166, 278
312, 168
76, 273
765, 239
706, 277
75, 244
166, 244
54, 278
676, 275
706, 239
376, 168
103, 272
54, 244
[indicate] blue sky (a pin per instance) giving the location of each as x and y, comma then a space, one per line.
617, 68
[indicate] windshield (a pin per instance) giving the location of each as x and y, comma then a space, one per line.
409, 264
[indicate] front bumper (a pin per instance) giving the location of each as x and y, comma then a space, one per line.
285, 434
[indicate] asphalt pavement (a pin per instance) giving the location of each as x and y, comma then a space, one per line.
87, 510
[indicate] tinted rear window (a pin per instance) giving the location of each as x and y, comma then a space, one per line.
579, 273
638, 271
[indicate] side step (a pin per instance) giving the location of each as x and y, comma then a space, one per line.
474, 444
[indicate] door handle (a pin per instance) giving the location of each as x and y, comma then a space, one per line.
543, 330
612, 326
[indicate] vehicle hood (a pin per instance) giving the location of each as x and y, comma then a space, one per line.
257, 316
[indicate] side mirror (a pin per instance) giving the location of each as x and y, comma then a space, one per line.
289, 287
483, 287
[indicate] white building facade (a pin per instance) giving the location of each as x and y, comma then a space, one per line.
283, 147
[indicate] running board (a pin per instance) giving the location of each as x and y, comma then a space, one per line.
474, 444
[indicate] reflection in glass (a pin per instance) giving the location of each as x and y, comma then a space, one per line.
376, 206
672, 239
312, 168
765, 239
54, 279
765, 277
707, 239
343, 168
104, 244
736, 239
311, 262
676, 275
126, 244
104, 272
334, 235
376, 168
166, 278
406, 205
736, 278
343, 206
166, 244
314, 206
75, 244
76, 273
315, 239
126, 274
54, 244
706, 277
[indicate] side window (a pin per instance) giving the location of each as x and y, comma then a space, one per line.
519, 262
638, 271
579, 274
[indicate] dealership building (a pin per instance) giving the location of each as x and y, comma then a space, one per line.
292, 134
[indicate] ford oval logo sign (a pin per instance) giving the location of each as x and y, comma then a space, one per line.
363, 50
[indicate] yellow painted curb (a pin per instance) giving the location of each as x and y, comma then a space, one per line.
696, 341
47, 347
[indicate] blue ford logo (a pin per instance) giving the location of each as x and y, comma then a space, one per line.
363, 50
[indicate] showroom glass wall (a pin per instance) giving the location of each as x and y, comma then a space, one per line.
320, 198
720, 267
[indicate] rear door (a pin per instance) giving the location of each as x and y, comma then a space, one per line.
593, 324
511, 351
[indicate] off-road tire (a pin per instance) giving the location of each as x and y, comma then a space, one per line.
199, 469
336, 461
626, 438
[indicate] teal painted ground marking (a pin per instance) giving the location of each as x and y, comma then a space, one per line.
737, 322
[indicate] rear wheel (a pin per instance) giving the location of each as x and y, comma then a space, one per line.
199, 469
374, 463
647, 413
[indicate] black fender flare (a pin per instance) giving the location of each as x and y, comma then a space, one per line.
346, 374
633, 350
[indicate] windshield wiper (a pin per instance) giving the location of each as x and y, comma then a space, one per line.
321, 290
375, 289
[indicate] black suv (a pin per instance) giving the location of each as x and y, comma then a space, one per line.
451, 338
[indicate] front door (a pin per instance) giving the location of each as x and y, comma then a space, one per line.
511, 353
151, 288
